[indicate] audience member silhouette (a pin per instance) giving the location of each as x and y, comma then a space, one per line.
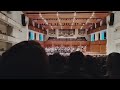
76, 69
91, 67
0, 58
76, 60
57, 63
113, 65
26, 59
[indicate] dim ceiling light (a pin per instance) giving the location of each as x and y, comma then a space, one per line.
59, 19
45, 21
40, 15
81, 27
90, 17
43, 18
93, 14
57, 13
51, 27
74, 14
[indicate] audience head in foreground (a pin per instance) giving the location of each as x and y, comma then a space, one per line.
113, 65
26, 58
76, 60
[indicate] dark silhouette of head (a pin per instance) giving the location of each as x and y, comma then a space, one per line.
27, 57
113, 65
0, 58
90, 65
57, 62
76, 60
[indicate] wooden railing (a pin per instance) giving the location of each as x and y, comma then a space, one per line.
97, 46
66, 43
97, 29
35, 29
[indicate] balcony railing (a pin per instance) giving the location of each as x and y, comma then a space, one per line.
7, 38
97, 29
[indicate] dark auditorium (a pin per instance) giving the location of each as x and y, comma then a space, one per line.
59, 44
